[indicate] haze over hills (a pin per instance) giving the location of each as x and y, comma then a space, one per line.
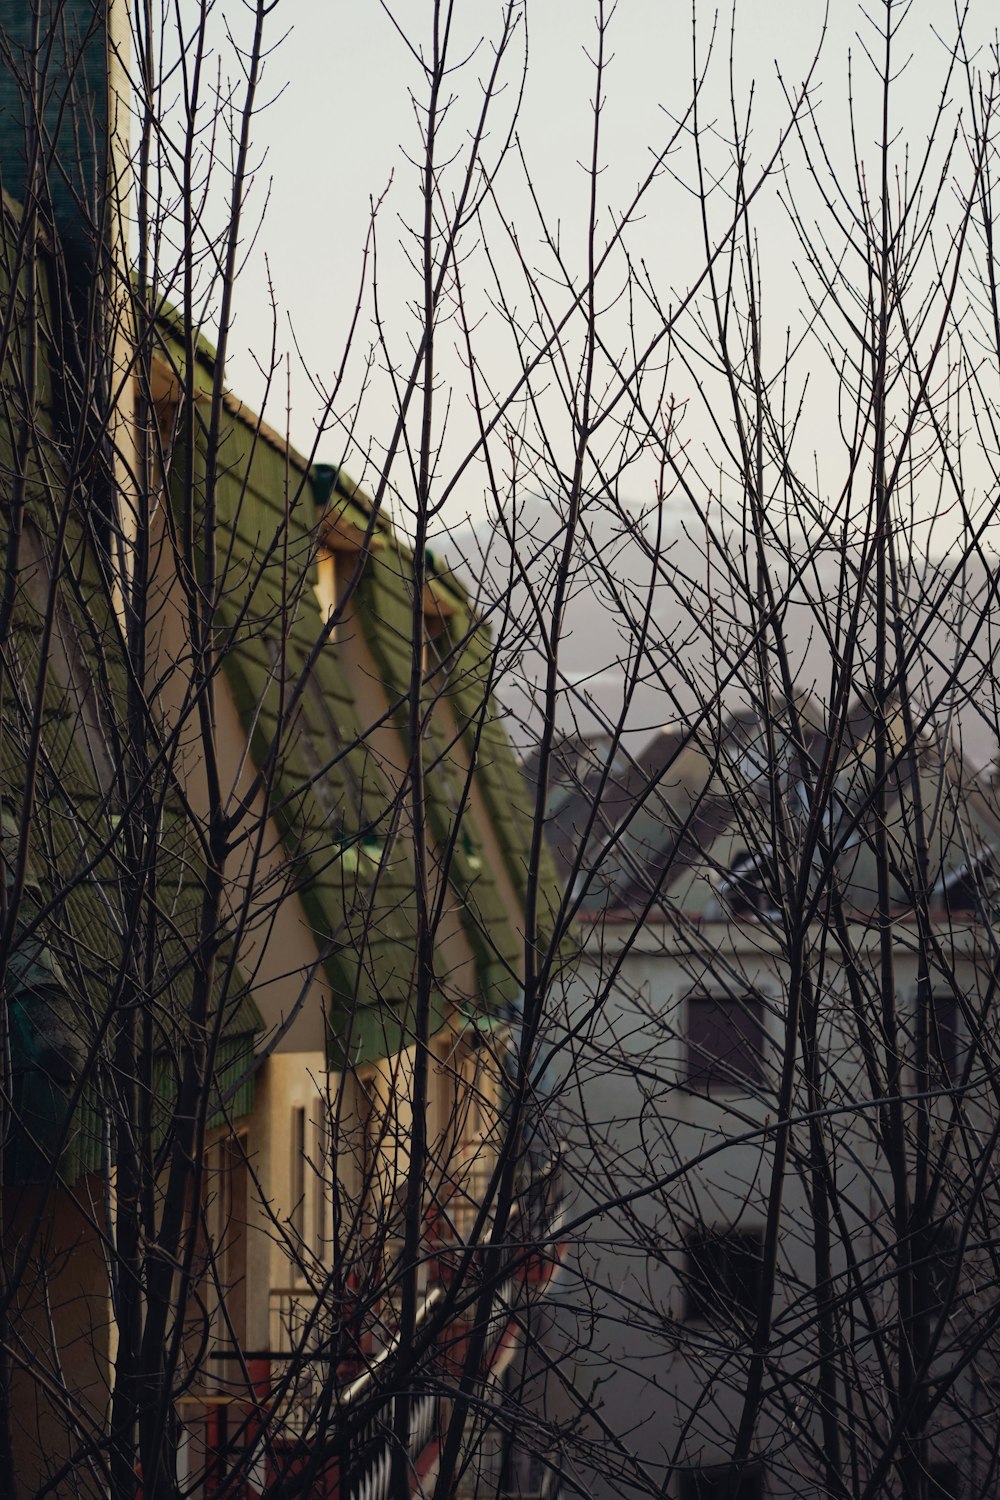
658, 622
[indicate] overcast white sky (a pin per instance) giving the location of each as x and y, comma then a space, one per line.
338, 133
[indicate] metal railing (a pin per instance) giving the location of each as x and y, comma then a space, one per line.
245, 1439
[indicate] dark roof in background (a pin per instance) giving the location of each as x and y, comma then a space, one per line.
686, 823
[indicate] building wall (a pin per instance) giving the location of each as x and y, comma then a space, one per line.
257, 1221
649, 1160
59, 1331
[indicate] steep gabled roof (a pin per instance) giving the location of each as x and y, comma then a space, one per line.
687, 825
87, 958
341, 818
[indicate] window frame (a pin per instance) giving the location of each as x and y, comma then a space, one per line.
945, 1043
713, 1481
718, 1292
944, 1482
713, 1072
298, 1177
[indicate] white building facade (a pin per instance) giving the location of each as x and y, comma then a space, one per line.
782, 1117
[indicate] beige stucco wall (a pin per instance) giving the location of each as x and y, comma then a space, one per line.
277, 946
60, 1334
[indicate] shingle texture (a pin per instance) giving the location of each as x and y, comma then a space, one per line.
102, 893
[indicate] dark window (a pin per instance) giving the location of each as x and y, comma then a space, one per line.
725, 1040
944, 1033
298, 1173
748, 887
722, 1484
721, 1276
972, 887
943, 1482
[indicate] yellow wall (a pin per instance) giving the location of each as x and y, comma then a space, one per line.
60, 1332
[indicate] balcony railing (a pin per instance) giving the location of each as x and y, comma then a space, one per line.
310, 1413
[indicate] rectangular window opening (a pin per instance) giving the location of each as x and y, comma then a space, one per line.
335, 572
943, 1482
297, 1216
326, 581
717, 1484
725, 1042
944, 1038
436, 642
721, 1276
322, 1185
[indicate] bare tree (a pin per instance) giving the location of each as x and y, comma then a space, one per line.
263, 932
296, 1012
781, 1053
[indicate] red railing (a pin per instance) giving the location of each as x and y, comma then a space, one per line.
304, 1416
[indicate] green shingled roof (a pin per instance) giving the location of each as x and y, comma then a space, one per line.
73, 943
344, 833
345, 859
498, 775
385, 613
62, 734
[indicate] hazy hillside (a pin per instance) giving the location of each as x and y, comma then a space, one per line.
658, 621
